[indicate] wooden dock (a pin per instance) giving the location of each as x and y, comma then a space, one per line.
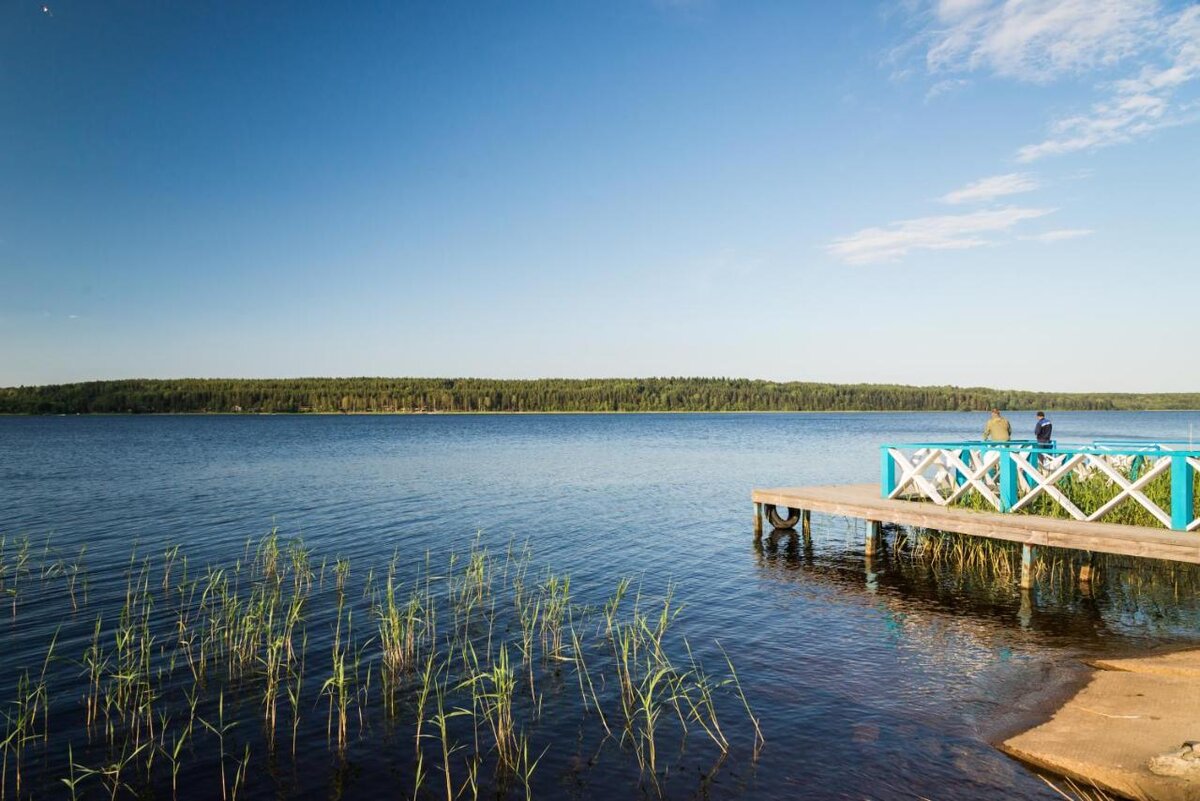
793, 505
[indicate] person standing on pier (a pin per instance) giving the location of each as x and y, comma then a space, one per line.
1042, 431
997, 428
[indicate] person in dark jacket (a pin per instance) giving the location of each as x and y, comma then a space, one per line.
1042, 431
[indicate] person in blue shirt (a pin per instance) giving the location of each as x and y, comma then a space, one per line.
1042, 431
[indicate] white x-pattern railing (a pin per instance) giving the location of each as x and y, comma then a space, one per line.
1010, 477
1078, 465
941, 475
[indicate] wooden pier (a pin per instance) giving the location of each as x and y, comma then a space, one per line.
791, 506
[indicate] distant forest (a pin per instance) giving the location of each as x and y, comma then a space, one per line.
429, 395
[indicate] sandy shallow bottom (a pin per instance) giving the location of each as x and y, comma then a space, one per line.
1129, 712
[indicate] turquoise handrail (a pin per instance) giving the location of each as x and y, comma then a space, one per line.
1182, 462
1149, 449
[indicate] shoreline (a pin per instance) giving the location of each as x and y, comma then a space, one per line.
605, 413
1104, 728
1052, 690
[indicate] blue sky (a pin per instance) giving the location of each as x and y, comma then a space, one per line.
995, 192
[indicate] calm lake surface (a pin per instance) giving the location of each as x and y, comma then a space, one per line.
883, 685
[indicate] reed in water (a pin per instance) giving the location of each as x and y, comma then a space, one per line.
203, 673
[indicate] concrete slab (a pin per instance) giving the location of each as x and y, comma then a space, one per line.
1107, 734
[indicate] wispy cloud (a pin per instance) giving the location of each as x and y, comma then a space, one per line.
1036, 40
986, 189
1111, 122
944, 232
945, 87
1156, 48
1060, 235
1134, 106
1041, 40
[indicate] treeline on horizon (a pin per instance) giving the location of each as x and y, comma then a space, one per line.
428, 395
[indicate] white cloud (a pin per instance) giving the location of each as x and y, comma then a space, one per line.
945, 87
945, 232
1060, 235
957, 9
1156, 49
1135, 106
1110, 122
1037, 40
1041, 40
986, 189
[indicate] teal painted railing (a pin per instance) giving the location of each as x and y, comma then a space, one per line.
1160, 444
1010, 476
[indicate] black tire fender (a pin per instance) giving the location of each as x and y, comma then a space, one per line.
793, 516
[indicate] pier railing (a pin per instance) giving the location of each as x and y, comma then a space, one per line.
1147, 483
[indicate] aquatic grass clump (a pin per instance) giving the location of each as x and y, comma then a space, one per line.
1094, 491
1090, 490
403, 626
1140, 592
991, 560
25, 724
996, 564
185, 678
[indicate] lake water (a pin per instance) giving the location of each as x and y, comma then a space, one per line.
887, 684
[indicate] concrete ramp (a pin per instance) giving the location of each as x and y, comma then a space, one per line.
1131, 711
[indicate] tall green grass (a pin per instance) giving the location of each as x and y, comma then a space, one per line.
1141, 585
1093, 492
215, 672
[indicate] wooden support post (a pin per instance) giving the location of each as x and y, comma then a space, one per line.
1027, 554
874, 533
758, 517
1086, 571
806, 523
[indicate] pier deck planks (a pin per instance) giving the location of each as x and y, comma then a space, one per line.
864, 501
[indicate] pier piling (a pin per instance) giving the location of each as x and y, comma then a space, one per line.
863, 501
1027, 554
874, 535
1085, 576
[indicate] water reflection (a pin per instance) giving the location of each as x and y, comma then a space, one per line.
785, 543
1120, 600
886, 676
